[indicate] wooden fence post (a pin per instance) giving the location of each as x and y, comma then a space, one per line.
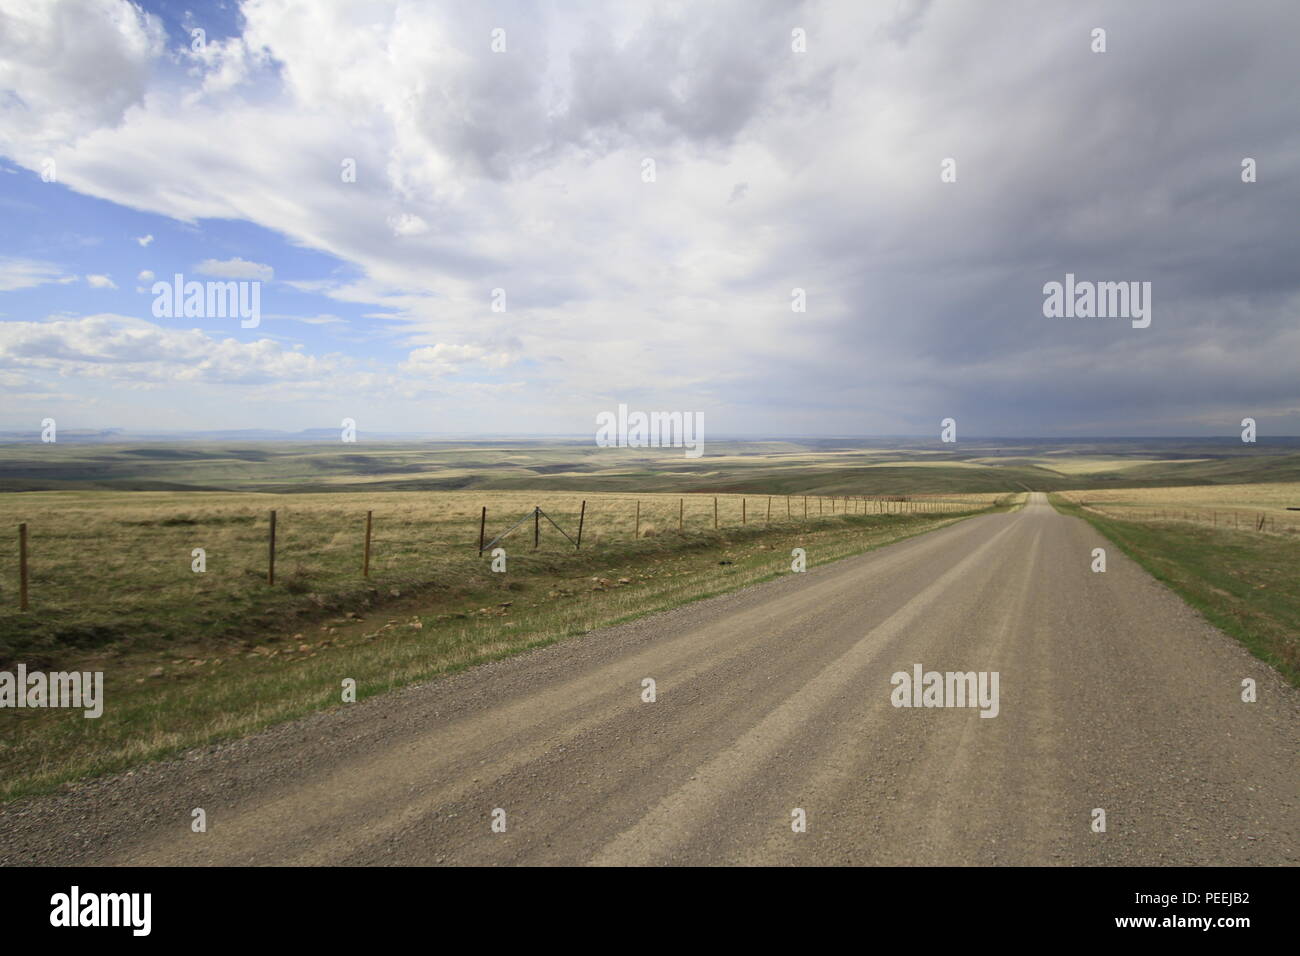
270, 552
715, 513
365, 564
482, 526
582, 516
742, 510
769, 511
22, 568
537, 526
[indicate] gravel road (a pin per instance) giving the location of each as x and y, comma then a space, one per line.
1112, 694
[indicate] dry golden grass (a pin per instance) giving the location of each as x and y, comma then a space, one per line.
1228, 506
114, 567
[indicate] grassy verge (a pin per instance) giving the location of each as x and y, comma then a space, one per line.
112, 571
1242, 582
161, 699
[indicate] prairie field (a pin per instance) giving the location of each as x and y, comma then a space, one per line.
1260, 506
809, 466
113, 568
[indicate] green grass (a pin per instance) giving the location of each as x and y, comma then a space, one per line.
1242, 582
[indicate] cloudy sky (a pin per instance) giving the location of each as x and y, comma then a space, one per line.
510, 146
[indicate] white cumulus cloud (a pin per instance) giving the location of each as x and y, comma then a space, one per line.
71, 67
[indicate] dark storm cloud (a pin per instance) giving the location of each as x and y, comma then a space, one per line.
1122, 165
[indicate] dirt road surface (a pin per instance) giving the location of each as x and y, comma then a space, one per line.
1113, 695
